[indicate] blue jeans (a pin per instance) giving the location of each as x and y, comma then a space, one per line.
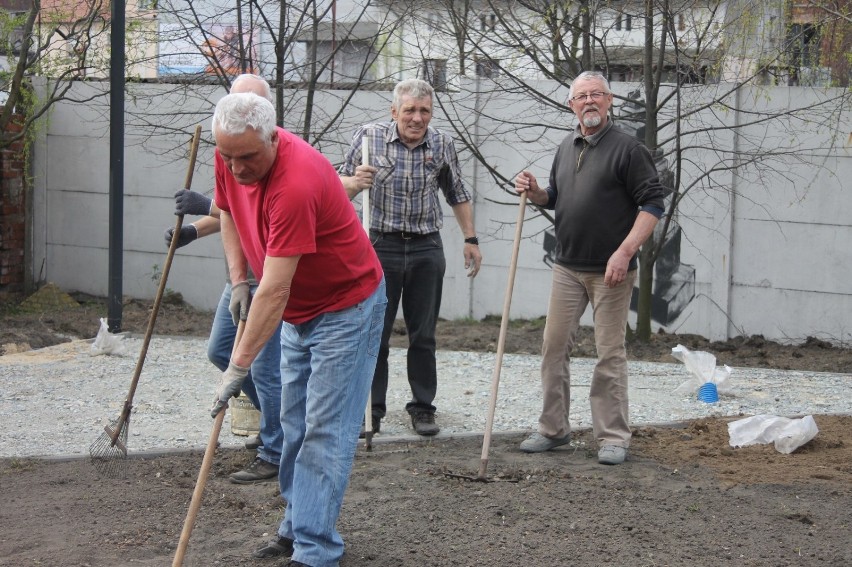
326, 368
414, 269
263, 384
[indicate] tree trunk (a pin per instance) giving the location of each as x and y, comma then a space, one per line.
646, 281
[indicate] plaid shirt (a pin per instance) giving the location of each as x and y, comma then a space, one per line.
404, 195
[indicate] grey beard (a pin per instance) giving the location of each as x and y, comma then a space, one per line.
591, 121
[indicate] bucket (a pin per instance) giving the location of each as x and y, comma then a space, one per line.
245, 418
708, 393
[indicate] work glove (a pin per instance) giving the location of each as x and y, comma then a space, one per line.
240, 300
229, 387
191, 203
187, 234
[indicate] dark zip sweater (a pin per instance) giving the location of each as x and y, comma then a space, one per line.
598, 184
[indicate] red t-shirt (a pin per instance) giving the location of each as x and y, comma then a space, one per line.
301, 208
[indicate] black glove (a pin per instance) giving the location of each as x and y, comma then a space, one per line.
187, 234
191, 203
240, 300
229, 387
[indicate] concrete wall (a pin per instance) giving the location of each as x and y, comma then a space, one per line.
760, 252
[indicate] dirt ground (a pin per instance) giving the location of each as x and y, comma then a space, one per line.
684, 498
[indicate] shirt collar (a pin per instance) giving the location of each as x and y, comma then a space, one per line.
593, 139
393, 135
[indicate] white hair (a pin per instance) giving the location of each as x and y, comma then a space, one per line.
415, 88
589, 76
237, 112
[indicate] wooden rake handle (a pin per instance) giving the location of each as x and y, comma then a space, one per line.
206, 464
158, 298
501, 342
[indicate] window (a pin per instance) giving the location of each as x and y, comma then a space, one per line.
803, 45
434, 71
487, 67
487, 22
681, 23
623, 21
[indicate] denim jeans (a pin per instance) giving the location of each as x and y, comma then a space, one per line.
263, 384
414, 271
572, 291
326, 367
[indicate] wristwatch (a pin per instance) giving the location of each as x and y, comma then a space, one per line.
472, 240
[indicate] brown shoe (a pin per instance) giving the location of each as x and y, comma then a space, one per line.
257, 471
424, 422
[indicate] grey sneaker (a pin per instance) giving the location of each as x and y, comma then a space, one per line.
538, 443
611, 455
257, 471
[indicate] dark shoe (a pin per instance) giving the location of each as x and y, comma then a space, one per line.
424, 422
297, 564
258, 471
377, 425
281, 547
252, 443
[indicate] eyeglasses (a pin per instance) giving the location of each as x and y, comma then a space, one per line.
595, 96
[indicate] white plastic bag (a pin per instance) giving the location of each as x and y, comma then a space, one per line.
787, 434
702, 366
106, 342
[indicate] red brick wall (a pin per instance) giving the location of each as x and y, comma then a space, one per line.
12, 215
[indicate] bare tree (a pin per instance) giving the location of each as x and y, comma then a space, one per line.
687, 46
38, 40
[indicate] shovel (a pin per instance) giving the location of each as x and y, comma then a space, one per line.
501, 344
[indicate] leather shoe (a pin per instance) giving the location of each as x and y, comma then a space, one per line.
424, 423
281, 547
257, 471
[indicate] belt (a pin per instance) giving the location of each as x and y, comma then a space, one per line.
404, 235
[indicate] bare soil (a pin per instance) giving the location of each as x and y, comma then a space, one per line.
684, 498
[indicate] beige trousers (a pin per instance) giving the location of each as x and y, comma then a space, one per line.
572, 291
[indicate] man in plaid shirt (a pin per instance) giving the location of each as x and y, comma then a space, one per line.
410, 163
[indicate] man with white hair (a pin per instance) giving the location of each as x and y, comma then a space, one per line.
263, 384
607, 196
285, 214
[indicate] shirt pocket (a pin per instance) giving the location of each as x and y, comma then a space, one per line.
386, 168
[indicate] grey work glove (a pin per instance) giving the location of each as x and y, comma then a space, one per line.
240, 300
229, 387
187, 234
191, 203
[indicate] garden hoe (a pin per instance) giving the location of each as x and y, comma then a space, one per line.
501, 344
109, 450
206, 464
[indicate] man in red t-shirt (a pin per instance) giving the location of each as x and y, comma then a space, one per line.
285, 214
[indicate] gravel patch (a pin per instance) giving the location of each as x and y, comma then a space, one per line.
55, 401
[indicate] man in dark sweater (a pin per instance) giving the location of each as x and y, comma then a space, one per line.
607, 197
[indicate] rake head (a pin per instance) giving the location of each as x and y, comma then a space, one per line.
109, 451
